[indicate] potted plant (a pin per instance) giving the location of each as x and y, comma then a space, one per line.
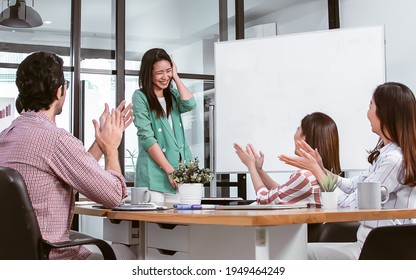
190, 179
329, 198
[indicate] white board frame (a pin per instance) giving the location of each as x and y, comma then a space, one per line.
264, 87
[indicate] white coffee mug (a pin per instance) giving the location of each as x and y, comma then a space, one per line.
140, 195
370, 195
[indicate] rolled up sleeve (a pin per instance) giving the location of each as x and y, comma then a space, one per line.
142, 120
78, 169
184, 105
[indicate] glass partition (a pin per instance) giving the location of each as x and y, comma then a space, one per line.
17, 43
186, 29
98, 34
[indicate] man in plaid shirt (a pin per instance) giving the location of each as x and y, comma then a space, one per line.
53, 163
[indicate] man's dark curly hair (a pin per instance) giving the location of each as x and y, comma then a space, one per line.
38, 78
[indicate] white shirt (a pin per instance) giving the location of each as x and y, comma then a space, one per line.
162, 102
385, 169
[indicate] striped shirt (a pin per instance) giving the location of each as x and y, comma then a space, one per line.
55, 165
385, 169
302, 188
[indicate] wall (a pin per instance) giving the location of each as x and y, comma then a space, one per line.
400, 23
397, 16
297, 17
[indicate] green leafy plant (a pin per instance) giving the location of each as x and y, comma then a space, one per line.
191, 173
328, 183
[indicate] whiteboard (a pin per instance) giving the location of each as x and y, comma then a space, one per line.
264, 87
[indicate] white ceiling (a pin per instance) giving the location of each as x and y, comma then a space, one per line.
172, 22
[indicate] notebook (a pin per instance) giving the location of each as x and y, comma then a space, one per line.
261, 207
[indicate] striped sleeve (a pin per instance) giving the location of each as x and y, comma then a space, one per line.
298, 189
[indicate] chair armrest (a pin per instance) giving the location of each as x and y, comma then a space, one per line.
104, 247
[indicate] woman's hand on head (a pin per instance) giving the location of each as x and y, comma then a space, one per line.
174, 71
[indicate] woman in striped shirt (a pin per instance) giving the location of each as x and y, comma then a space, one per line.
320, 132
392, 115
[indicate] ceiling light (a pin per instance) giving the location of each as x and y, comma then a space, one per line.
21, 16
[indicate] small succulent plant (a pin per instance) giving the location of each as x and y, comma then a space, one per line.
329, 182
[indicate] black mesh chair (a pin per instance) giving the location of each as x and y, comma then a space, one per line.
20, 237
333, 232
313, 232
338, 232
390, 243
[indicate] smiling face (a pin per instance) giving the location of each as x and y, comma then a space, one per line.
372, 117
161, 76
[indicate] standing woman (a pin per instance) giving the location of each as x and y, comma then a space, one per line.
157, 109
392, 115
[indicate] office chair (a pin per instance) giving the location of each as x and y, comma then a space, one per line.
20, 236
314, 231
338, 232
390, 243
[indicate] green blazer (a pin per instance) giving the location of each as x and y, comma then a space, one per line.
151, 130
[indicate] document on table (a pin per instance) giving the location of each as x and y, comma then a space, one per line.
261, 207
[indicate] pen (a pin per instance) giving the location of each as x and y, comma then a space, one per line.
183, 206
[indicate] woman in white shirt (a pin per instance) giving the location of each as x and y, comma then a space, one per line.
392, 115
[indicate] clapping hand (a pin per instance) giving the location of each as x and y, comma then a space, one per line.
306, 158
247, 156
259, 157
109, 132
126, 113
308, 149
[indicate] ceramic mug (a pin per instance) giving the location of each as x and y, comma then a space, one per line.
370, 195
140, 195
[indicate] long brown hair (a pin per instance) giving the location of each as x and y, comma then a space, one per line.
146, 81
396, 110
321, 133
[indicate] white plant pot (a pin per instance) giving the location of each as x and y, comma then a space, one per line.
329, 200
190, 193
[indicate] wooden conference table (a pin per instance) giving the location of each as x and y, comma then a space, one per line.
233, 234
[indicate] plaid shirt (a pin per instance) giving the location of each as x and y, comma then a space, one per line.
55, 165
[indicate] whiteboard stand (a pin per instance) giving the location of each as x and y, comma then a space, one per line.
213, 183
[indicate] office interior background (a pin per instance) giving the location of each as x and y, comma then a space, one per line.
102, 42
